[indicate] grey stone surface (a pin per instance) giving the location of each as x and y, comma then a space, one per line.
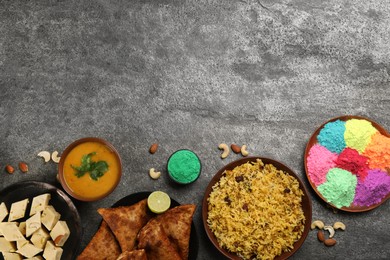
193, 74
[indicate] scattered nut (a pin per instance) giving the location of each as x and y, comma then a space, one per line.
244, 152
57, 240
45, 155
153, 148
235, 148
317, 223
9, 169
339, 225
331, 231
225, 149
330, 242
153, 174
321, 236
23, 167
55, 158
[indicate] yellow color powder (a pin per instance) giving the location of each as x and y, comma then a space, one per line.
358, 133
378, 152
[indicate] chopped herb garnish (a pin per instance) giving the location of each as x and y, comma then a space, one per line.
95, 169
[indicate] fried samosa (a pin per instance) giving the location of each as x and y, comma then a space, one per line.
156, 243
126, 221
176, 223
103, 245
138, 254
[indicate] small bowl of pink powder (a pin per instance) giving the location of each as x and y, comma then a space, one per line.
347, 162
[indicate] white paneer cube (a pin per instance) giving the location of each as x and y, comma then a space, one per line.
60, 233
50, 217
18, 210
22, 227
11, 232
6, 246
52, 252
39, 203
40, 237
29, 250
33, 224
3, 211
12, 256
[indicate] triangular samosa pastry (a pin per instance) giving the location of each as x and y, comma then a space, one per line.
103, 245
176, 223
156, 243
126, 221
138, 254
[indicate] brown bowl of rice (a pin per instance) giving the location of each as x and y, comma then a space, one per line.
256, 208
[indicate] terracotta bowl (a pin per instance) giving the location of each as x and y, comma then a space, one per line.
313, 141
61, 173
306, 205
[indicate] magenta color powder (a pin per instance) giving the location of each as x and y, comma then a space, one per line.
319, 161
350, 159
375, 187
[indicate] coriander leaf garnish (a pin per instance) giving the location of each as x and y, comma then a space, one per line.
95, 169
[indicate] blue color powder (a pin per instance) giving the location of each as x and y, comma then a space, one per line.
331, 136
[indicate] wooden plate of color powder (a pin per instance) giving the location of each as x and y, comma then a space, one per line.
305, 203
325, 152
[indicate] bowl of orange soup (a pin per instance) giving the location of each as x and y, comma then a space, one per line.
89, 169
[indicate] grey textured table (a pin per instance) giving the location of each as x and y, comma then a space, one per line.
193, 74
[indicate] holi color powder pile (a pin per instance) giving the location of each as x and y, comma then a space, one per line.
350, 163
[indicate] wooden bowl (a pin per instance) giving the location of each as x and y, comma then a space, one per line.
313, 141
306, 205
115, 158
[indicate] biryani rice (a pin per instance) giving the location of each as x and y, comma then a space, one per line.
258, 215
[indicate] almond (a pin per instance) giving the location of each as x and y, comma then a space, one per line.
321, 236
23, 167
153, 148
57, 240
9, 169
330, 242
235, 148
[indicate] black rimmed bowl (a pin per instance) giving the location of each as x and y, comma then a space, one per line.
59, 200
306, 206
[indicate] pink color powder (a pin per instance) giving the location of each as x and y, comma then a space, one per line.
372, 191
350, 160
319, 161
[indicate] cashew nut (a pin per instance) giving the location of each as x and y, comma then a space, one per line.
331, 231
317, 223
153, 174
45, 155
54, 157
244, 152
339, 225
225, 149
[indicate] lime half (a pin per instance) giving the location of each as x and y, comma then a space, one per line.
159, 202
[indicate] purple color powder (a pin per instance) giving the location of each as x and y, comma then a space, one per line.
319, 161
375, 187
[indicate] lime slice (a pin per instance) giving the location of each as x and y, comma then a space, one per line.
159, 202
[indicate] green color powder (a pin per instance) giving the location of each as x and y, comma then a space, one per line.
358, 133
339, 188
184, 166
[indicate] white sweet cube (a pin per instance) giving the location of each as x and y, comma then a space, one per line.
60, 233
33, 224
18, 210
29, 250
6, 246
39, 238
11, 232
39, 203
50, 217
11, 256
22, 227
52, 252
3, 211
